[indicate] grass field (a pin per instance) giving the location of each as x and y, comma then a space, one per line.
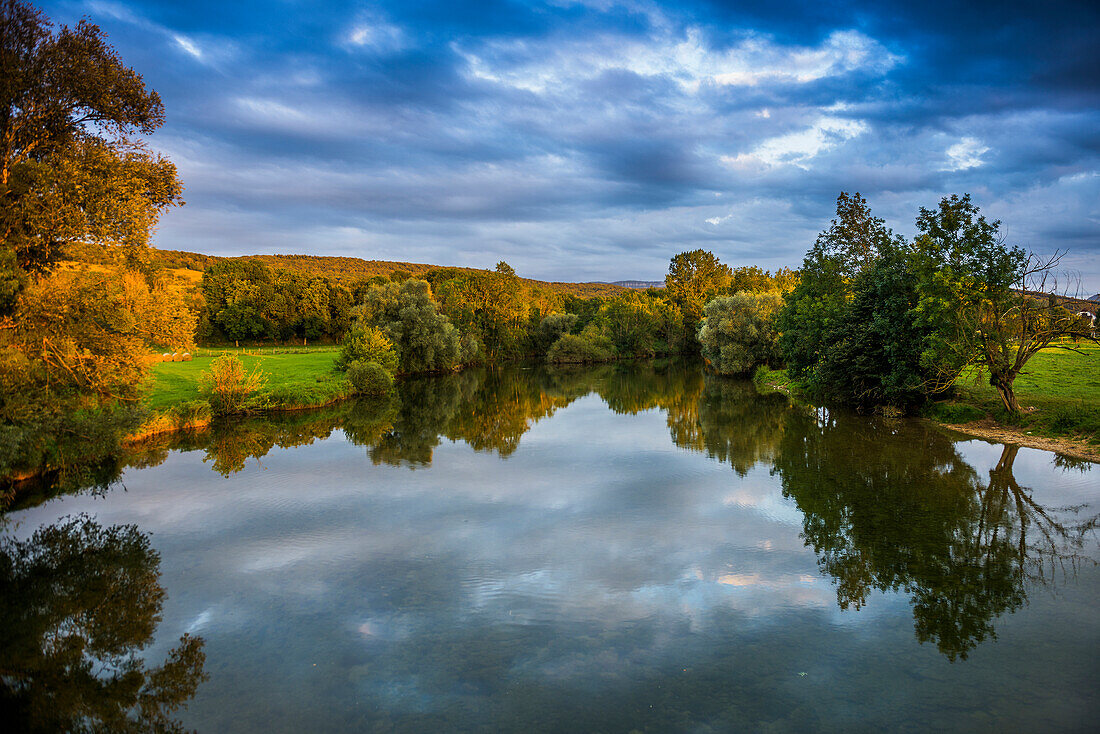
289, 372
1059, 392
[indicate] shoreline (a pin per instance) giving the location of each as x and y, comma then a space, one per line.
989, 429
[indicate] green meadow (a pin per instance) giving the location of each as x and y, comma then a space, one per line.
1059, 393
294, 377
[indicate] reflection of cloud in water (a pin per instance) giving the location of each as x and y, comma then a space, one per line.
598, 551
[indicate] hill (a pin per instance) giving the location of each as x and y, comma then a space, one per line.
187, 267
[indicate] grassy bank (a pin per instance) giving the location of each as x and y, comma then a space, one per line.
1059, 393
295, 378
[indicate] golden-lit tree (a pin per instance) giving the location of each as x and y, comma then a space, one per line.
71, 172
694, 278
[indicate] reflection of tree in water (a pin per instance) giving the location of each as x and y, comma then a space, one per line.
78, 602
729, 420
894, 507
231, 444
502, 408
426, 405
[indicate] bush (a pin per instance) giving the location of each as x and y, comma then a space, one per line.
226, 386
366, 344
551, 328
573, 349
738, 332
369, 378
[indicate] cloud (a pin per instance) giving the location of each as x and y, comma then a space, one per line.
799, 148
572, 138
967, 153
555, 65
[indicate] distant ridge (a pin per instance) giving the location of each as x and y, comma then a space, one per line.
188, 267
1094, 299
639, 283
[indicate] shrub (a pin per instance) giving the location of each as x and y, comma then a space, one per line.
369, 378
366, 344
226, 386
551, 328
738, 332
573, 349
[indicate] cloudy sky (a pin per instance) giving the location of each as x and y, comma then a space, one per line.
594, 139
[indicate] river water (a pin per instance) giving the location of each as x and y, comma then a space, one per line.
626, 547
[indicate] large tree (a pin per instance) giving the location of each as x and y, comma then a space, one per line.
816, 306
985, 303
72, 172
694, 278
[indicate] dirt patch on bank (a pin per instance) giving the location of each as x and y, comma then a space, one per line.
1078, 448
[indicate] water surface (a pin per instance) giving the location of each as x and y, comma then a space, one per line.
628, 547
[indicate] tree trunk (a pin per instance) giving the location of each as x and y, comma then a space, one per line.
1003, 383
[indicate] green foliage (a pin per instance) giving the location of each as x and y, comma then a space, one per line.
79, 603
946, 412
425, 339
738, 332
875, 358
366, 344
849, 330
753, 278
551, 328
816, 306
577, 349
226, 386
369, 378
984, 302
492, 306
694, 278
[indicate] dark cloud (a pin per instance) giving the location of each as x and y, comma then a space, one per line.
564, 136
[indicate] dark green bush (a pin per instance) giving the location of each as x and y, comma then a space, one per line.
574, 349
369, 378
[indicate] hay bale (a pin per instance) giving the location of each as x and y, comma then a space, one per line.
187, 356
166, 357
176, 357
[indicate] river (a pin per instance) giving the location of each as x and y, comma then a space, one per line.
617, 548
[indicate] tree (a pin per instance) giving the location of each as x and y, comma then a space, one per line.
738, 332
366, 344
693, 279
817, 304
491, 306
240, 298
425, 339
876, 344
68, 169
985, 303
71, 345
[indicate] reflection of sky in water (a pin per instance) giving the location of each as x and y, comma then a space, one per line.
599, 560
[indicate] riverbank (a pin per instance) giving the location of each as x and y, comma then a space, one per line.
989, 429
1059, 393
